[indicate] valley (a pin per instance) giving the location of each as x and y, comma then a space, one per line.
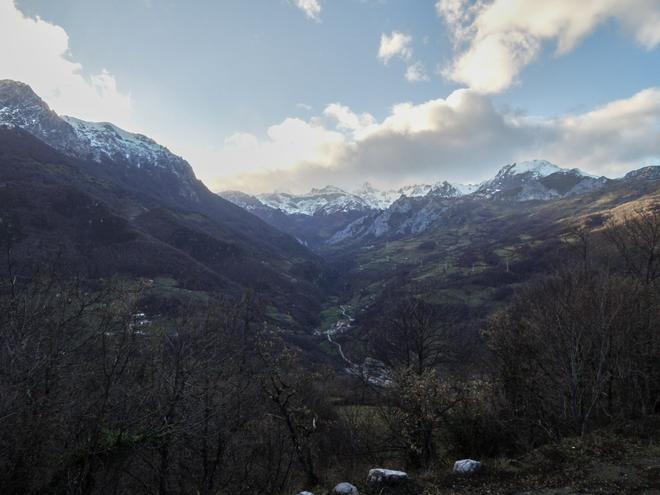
318, 247
471, 250
184, 338
308, 255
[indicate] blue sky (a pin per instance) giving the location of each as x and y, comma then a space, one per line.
242, 88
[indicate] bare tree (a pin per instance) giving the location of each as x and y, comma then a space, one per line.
415, 335
637, 240
567, 351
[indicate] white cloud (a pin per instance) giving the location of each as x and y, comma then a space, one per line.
416, 73
348, 120
37, 52
396, 44
293, 141
462, 137
496, 39
611, 139
311, 8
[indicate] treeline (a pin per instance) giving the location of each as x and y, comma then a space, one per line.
580, 348
97, 399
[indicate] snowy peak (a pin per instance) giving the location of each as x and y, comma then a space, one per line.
415, 190
330, 199
325, 201
465, 189
446, 189
103, 139
520, 181
537, 168
375, 198
245, 201
381, 200
22, 107
538, 180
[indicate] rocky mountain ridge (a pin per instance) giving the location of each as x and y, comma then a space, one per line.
119, 151
371, 213
522, 181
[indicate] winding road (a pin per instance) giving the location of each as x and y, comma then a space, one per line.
328, 333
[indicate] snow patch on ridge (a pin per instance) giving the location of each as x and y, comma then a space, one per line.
106, 138
327, 201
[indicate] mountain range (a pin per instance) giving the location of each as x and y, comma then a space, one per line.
331, 215
104, 201
94, 199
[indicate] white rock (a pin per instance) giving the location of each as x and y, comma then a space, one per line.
386, 476
467, 466
345, 489
305, 493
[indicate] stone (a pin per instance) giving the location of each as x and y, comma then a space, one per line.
345, 489
466, 466
386, 477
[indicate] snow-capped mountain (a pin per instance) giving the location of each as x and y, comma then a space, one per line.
537, 180
376, 198
332, 200
21, 107
326, 201
106, 140
381, 200
311, 218
245, 201
521, 181
101, 142
332, 215
446, 189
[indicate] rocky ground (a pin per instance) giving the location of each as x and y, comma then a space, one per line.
599, 464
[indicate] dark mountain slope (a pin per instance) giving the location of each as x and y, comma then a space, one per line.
71, 211
136, 164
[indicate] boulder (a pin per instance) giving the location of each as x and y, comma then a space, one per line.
345, 489
466, 466
305, 493
386, 477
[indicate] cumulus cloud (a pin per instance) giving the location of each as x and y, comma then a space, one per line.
293, 141
416, 73
463, 137
311, 8
396, 44
496, 39
348, 120
37, 52
611, 139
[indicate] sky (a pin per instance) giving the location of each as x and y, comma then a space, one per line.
263, 95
